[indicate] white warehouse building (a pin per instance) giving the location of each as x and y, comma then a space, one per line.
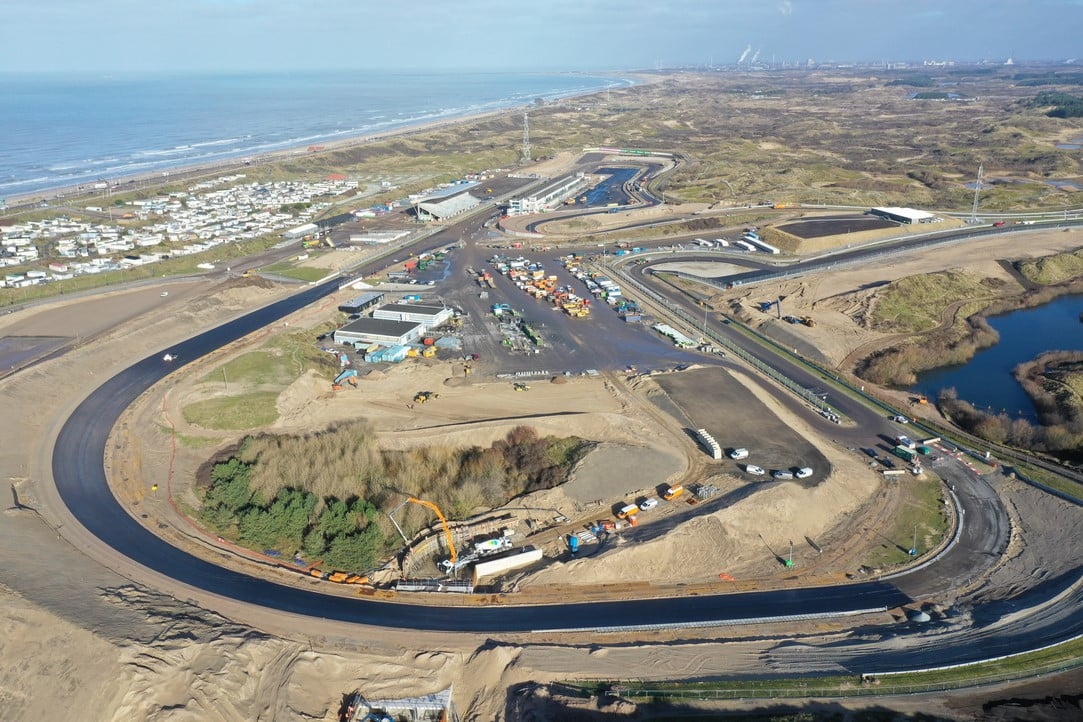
905, 216
428, 316
381, 331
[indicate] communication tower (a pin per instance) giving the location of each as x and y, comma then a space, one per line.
977, 192
526, 135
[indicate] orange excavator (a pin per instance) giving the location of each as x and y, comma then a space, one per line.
443, 521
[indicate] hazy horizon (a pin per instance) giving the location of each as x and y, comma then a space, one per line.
113, 36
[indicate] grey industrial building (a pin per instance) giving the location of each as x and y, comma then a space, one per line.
429, 316
379, 330
365, 301
429, 209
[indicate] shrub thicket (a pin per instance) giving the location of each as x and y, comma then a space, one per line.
319, 494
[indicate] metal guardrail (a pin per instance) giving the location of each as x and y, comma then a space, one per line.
829, 264
869, 688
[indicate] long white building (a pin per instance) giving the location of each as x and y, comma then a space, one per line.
548, 197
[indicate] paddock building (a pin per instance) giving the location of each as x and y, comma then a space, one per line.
549, 197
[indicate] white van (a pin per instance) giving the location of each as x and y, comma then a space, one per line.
754, 470
739, 454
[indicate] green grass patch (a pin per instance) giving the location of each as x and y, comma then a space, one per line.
256, 368
916, 303
1047, 478
234, 413
197, 442
1052, 269
301, 273
922, 509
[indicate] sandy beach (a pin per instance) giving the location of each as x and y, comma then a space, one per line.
188, 172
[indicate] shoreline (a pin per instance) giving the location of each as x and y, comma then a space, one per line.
191, 171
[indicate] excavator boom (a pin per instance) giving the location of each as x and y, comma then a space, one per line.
443, 521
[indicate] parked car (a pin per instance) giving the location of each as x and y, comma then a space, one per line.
803, 473
739, 454
755, 470
782, 474
645, 504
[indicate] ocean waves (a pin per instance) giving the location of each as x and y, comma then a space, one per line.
152, 127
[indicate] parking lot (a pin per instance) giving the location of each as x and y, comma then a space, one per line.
714, 401
602, 341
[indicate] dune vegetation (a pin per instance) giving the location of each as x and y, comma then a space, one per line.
320, 495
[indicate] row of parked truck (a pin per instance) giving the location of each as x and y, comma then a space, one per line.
532, 278
603, 288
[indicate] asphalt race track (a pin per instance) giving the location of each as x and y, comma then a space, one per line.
79, 474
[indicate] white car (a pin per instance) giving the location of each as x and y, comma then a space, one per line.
900, 419
739, 454
753, 469
803, 473
645, 504
782, 474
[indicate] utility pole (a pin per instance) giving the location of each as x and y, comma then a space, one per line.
789, 559
914, 546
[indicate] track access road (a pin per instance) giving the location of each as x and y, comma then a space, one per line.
79, 474
985, 526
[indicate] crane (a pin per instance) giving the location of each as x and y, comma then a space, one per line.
443, 521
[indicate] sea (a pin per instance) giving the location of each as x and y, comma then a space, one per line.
69, 130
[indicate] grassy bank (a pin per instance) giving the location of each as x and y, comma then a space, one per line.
917, 303
245, 389
1068, 655
922, 512
899, 365
289, 269
1052, 269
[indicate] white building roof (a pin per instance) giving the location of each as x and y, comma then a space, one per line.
909, 213
449, 207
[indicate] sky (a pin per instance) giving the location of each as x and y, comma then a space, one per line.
276, 35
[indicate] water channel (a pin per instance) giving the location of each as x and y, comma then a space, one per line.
986, 380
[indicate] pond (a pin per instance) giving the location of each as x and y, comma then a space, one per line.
986, 380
